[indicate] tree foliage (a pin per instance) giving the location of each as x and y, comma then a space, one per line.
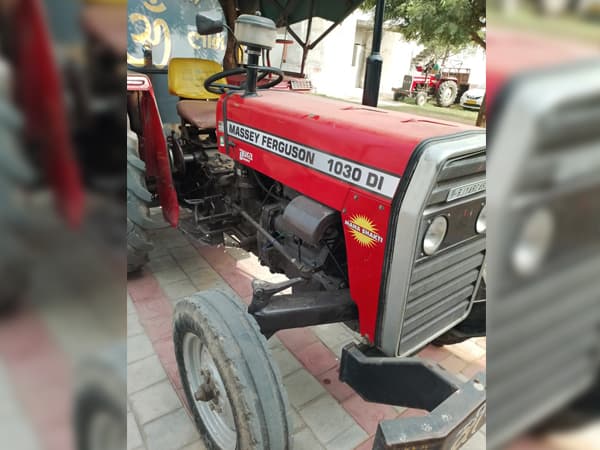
449, 24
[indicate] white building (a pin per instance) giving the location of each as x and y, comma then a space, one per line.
336, 66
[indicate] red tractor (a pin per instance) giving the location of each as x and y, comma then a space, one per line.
445, 86
377, 218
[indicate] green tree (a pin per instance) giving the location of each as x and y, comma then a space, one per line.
437, 24
441, 26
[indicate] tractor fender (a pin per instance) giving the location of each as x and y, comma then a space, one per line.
41, 99
153, 149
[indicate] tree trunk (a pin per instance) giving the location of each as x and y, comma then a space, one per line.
482, 116
230, 16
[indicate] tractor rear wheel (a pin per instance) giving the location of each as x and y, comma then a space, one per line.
15, 174
100, 409
446, 93
230, 381
138, 212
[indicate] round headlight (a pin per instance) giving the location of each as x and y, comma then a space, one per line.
435, 234
481, 224
533, 242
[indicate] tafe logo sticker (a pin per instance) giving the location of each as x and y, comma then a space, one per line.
245, 156
363, 230
351, 172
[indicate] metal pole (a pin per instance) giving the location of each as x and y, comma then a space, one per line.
374, 61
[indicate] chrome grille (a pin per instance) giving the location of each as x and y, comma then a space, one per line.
442, 286
546, 326
407, 82
424, 296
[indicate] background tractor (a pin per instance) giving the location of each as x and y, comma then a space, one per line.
445, 85
392, 243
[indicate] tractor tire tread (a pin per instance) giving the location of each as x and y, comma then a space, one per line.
138, 211
240, 351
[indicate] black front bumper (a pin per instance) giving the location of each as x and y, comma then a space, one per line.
456, 408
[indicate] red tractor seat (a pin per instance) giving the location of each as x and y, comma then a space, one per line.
200, 113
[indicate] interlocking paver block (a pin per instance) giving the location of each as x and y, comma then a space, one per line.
317, 358
326, 418
333, 335
302, 387
184, 253
133, 325
330, 380
434, 353
138, 347
198, 445
348, 439
179, 289
171, 432
144, 373
286, 362
195, 264
170, 275
297, 338
306, 440
367, 414
134, 438
154, 401
453, 364
297, 421
160, 263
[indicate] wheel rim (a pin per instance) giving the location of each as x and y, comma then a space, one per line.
216, 414
106, 432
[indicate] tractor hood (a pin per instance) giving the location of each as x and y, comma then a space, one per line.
354, 144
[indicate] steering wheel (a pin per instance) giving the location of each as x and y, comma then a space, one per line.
211, 83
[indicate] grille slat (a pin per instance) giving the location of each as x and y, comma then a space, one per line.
464, 282
431, 266
444, 276
466, 167
437, 309
424, 333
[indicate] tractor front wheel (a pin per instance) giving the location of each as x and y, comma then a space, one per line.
421, 98
230, 381
398, 96
446, 93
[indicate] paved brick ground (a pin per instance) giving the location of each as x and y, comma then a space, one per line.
327, 414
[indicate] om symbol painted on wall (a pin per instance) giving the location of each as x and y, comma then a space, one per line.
168, 28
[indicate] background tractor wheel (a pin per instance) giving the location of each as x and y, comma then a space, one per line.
421, 98
230, 381
446, 93
554, 7
398, 96
138, 212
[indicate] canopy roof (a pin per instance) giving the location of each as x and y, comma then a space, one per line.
288, 12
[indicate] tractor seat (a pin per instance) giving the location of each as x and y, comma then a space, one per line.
200, 113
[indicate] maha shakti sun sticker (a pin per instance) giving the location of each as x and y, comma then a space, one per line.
363, 230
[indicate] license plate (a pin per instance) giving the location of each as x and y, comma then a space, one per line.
465, 190
471, 102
